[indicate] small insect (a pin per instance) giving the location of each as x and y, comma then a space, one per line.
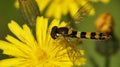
65, 34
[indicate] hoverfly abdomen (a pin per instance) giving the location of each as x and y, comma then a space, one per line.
104, 37
83, 35
73, 34
89, 35
94, 35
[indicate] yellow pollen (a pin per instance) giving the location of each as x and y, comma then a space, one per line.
42, 55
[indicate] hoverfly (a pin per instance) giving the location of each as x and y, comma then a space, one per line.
65, 34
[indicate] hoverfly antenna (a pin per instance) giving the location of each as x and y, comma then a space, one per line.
54, 32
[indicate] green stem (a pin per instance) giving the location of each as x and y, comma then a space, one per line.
107, 62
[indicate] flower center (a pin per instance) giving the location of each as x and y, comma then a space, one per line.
41, 56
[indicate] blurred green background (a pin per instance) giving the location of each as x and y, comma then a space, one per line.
8, 12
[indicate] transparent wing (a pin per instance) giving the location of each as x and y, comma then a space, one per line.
73, 53
83, 11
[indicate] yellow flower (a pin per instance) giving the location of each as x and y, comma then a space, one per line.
59, 8
29, 51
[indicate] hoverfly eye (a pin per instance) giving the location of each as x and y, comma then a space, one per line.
54, 32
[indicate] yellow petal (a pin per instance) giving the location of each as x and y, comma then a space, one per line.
10, 49
42, 4
24, 34
39, 36
16, 4
28, 37
63, 62
58, 12
50, 10
16, 29
11, 62
41, 30
92, 12
22, 46
63, 24
54, 23
73, 9
63, 8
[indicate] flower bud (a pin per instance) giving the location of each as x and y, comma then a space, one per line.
29, 10
104, 23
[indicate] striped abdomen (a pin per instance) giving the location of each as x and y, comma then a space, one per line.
89, 35
66, 32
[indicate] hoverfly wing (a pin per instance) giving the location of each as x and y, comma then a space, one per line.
82, 12
72, 51
74, 55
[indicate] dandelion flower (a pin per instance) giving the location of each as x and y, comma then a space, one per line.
59, 8
29, 51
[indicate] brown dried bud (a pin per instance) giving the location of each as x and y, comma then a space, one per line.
104, 23
29, 10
